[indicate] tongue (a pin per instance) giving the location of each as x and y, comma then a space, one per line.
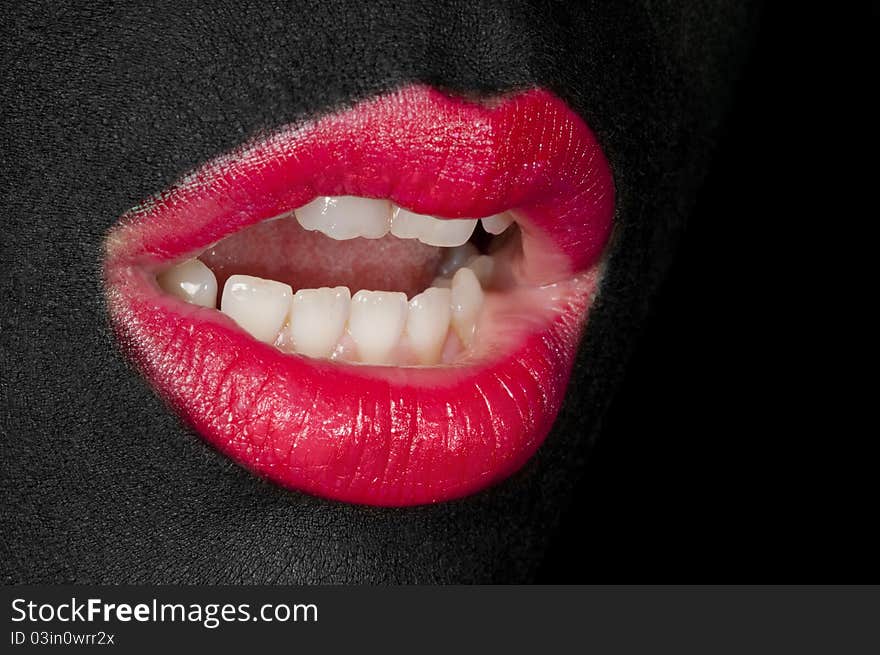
282, 250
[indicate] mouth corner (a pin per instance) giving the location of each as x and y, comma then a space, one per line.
488, 218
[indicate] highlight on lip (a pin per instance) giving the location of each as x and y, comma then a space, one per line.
379, 306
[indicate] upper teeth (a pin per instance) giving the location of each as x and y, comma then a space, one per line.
497, 223
348, 217
433, 231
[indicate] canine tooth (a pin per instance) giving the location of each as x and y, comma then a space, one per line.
441, 282
257, 305
191, 281
376, 323
466, 302
482, 266
432, 231
317, 319
455, 258
497, 223
428, 323
346, 217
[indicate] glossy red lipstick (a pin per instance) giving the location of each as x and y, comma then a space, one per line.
379, 434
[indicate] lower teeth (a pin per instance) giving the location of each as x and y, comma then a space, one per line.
372, 327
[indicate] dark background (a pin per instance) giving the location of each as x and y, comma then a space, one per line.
709, 468
718, 457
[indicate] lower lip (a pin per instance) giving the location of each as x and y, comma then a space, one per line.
364, 434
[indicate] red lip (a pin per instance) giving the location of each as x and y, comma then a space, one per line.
366, 434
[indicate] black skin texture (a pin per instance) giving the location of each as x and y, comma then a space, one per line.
104, 106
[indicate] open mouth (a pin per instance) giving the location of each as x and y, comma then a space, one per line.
381, 305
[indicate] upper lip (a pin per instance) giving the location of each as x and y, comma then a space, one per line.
366, 434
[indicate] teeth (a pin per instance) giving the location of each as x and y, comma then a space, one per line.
455, 258
346, 217
497, 223
428, 323
259, 306
467, 300
317, 320
406, 224
433, 231
313, 322
191, 281
376, 324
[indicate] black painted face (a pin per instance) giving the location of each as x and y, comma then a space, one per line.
104, 107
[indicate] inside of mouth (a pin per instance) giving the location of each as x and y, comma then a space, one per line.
360, 280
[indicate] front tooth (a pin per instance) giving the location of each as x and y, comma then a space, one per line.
428, 323
432, 231
317, 319
191, 281
346, 217
455, 258
497, 223
467, 300
259, 306
450, 232
406, 224
376, 324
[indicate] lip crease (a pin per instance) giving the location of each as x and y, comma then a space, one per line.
372, 434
